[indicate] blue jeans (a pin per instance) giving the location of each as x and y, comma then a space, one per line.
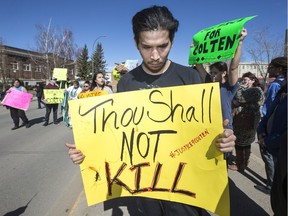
49, 107
39, 100
270, 163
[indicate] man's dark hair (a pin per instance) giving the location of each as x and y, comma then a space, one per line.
154, 18
280, 62
221, 66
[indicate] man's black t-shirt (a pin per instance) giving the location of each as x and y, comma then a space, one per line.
175, 75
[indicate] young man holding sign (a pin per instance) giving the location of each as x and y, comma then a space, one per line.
154, 30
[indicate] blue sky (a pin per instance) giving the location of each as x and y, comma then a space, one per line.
89, 19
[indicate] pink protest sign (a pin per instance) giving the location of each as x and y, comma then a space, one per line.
17, 99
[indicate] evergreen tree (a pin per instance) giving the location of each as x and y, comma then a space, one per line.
99, 63
83, 65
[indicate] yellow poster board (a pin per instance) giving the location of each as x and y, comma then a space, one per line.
60, 74
53, 96
92, 94
156, 143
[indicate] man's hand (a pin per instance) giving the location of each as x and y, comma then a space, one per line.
121, 69
75, 155
226, 141
243, 34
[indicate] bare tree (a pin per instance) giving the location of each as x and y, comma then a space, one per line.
56, 48
265, 47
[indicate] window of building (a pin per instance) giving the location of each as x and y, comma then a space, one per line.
27, 67
38, 68
15, 66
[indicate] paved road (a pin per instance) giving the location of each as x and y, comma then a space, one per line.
37, 178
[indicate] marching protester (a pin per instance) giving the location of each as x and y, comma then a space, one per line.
228, 79
86, 86
247, 103
154, 30
98, 83
49, 106
272, 137
17, 114
72, 94
39, 94
73, 90
276, 69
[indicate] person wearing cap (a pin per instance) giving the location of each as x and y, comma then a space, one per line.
51, 85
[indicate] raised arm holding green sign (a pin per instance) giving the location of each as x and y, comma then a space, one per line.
216, 43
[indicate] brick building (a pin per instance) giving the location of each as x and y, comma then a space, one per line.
28, 66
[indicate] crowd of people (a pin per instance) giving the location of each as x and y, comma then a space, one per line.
247, 110
98, 83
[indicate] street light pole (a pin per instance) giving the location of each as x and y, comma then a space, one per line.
92, 55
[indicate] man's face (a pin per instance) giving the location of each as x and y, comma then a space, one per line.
273, 71
216, 75
154, 47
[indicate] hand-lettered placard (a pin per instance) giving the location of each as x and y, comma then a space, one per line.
156, 143
60, 74
92, 94
217, 43
53, 96
17, 99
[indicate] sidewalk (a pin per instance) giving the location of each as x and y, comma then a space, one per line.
245, 199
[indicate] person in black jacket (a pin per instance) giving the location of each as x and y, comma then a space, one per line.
39, 94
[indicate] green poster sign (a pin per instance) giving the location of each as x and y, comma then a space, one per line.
53, 96
217, 43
